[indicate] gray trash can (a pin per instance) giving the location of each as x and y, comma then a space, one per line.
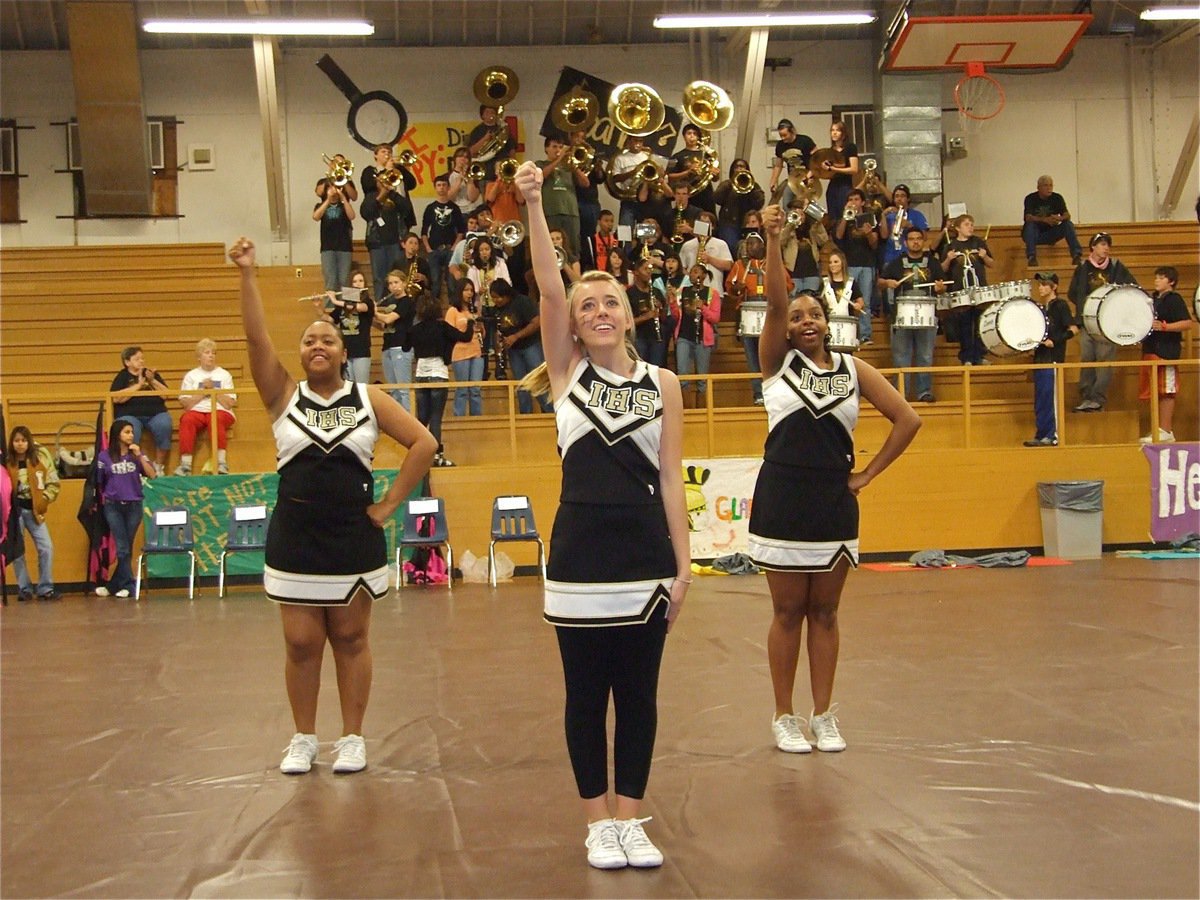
1072, 518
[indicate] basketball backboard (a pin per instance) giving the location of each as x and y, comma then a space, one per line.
998, 42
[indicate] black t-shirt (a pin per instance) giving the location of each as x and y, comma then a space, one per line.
1059, 320
478, 132
801, 142
435, 337
858, 250
956, 269
681, 162
806, 266
370, 186
931, 270
687, 321
515, 315
838, 287
337, 231
442, 224
395, 334
1036, 205
1168, 307
355, 328
641, 301
140, 405
850, 150
383, 222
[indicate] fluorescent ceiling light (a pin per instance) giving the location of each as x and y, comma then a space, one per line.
762, 20
259, 26
1171, 13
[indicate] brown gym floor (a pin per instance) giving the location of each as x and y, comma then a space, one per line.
1012, 733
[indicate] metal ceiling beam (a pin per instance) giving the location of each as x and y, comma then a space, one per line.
268, 114
746, 109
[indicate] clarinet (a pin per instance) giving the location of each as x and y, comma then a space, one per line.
654, 305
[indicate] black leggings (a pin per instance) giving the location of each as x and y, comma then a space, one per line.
623, 659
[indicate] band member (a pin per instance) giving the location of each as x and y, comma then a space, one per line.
490, 125
336, 215
917, 271
465, 192
649, 304
856, 234
381, 213
746, 282
687, 166
605, 239
736, 204
442, 226
696, 331
804, 517
842, 181
633, 190
677, 226
711, 252
1060, 328
587, 195
966, 260
559, 199
1097, 270
897, 219
383, 163
792, 152
802, 245
394, 316
1164, 341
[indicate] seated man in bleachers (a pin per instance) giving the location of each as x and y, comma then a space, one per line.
197, 414
1048, 221
140, 409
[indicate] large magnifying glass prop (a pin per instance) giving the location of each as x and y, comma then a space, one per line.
375, 117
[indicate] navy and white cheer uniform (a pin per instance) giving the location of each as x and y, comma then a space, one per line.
321, 545
611, 560
804, 517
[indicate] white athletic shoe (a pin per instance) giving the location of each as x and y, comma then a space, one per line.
352, 754
825, 731
604, 846
789, 736
101, 591
639, 849
299, 755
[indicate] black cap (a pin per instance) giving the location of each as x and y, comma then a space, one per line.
1048, 277
785, 123
1100, 236
902, 187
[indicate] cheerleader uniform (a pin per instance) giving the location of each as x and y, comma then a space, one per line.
321, 545
804, 517
610, 571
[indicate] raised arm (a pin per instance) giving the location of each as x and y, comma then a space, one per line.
773, 342
559, 349
274, 383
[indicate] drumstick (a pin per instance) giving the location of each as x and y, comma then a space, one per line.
986, 232
906, 277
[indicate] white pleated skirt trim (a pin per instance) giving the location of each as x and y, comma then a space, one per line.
322, 590
801, 556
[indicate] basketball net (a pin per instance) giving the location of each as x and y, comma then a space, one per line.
979, 98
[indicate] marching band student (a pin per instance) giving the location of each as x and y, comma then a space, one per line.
962, 250
467, 359
587, 196
800, 146
460, 259
685, 168
562, 206
914, 346
393, 317
716, 256
490, 125
746, 282
353, 318
840, 291
804, 516
736, 206
858, 240
463, 191
1164, 341
1060, 328
442, 226
897, 220
649, 304
1099, 268
617, 266
804, 242
336, 216
625, 166
432, 340
842, 181
605, 239
326, 557
619, 565
696, 331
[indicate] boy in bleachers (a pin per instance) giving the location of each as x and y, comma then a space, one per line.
1061, 327
1164, 341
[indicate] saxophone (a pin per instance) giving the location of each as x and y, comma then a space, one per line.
676, 236
501, 350
414, 286
485, 299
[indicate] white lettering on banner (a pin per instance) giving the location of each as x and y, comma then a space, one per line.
1179, 487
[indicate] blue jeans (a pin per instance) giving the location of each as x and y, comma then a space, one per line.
431, 406
864, 277
914, 347
360, 368
439, 268
124, 520
159, 425
811, 283
520, 364
629, 212
468, 370
750, 345
691, 356
397, 369
1043, 403
335, 269
970, 346
45, 554
383, 260
1035, 233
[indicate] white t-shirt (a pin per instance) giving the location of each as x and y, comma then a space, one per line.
219, 377
716, 249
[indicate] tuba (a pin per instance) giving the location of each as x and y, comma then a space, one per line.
636, 109
709, 108
495, 86
341, 170
576, 110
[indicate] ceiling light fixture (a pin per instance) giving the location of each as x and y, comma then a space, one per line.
762, 20
324, 27
1171, 13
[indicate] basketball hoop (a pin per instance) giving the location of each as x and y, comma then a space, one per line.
978, 96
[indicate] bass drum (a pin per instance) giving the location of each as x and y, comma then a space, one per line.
843, 333
1121, 314
1012, 327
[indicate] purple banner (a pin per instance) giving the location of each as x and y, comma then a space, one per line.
1174, 490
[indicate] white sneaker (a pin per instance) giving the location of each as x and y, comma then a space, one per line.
788, 735
299, 755
182, 470
825, 731
1164, 437
222, 468
123, 593
101, 591
352, 754
604, 846
639, 850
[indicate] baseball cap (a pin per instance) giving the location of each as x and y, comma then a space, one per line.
902, 187
1100, 236
1050, 277
785, 123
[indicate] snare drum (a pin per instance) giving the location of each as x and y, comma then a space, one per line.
1011, 290
1121, 314
1012, 327
916, 311
990, 293
843, 333
753, 313
956, 299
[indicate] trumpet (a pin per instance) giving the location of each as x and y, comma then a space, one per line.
581, 157
407, 159
870, 165
506, 169
391, 177
341, 170
560, 257
742, 181
636, 109
476, 171
795, 217
510, 234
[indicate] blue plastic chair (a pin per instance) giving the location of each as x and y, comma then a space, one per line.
247, 531
169, 531
512, 520
424, 524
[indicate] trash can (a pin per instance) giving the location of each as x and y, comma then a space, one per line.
1072, 518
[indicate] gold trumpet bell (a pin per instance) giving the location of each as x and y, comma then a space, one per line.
636, 109
407, 159
576, 110
496, 86
707, 106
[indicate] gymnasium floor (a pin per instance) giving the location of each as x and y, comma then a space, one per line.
1012, 733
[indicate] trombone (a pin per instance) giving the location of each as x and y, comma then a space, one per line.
506, 170
340, 169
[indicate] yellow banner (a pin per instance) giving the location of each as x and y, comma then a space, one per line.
434, 144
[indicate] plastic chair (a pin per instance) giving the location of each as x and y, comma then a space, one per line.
424, 526
169, 531
247, 531
512, 520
